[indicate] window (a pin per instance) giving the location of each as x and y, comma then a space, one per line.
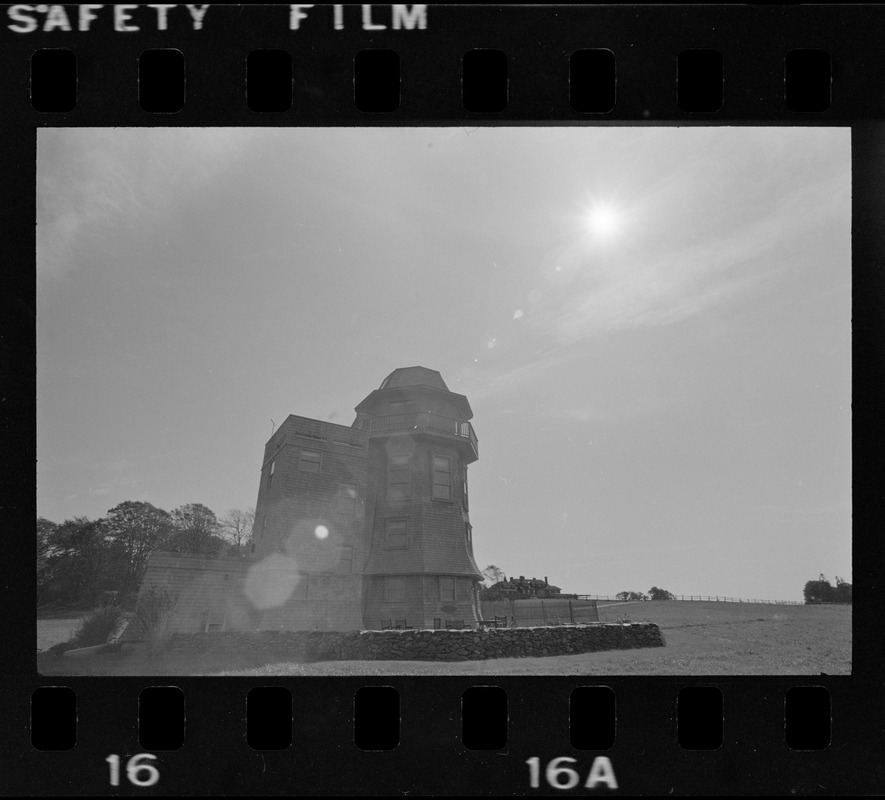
464, 494
397, 408
399, 476
345, 560
397, 534
309, 462
447, 589
270, 473
442, 478
468, 532
394, 590
465, 429
347, 498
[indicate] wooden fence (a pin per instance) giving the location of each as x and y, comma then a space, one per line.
531, 613
706, 598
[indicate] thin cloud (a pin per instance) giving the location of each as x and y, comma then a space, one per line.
101, 184
618, 292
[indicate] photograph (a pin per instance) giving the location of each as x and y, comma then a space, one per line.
535, 400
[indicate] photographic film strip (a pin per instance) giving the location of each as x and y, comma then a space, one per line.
462, 724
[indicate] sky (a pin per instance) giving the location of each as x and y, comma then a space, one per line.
652, 326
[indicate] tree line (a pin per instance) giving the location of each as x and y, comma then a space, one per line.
822, 591
653, 594
81, 560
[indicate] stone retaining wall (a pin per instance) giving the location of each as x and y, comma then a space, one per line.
427, 645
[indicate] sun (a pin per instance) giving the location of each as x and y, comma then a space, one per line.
604, 221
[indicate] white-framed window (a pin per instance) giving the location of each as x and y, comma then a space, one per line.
442, 478
397, 534
399, 477
394, 589
465, 429
446, 589
270, 471
308, 461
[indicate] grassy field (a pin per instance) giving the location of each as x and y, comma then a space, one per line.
702, 638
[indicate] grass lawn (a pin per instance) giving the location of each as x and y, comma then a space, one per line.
54, 630
702, 638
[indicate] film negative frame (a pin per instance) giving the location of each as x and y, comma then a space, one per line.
431, 757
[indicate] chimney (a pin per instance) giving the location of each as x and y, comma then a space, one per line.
546, 582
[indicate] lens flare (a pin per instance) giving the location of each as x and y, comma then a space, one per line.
272, 581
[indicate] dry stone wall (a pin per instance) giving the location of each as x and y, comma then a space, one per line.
428, 645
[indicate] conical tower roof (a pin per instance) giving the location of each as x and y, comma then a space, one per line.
414, 376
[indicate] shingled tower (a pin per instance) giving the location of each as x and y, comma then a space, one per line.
420, 565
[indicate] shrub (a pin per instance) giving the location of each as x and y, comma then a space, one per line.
60, 648
97, 627
153, 617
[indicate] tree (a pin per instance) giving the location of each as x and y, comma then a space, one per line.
77, 561
842, 592
631, 596
822, 591
659, 594
819, 591
135, 530
45, 548
492, 575
196, 530
236, 528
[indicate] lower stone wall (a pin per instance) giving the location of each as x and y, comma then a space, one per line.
427, 645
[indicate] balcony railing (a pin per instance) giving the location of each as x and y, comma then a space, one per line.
424, 420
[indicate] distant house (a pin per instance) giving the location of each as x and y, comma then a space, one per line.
523, 588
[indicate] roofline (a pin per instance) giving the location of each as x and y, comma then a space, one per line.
413, 386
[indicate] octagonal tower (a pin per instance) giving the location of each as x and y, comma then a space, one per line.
420, 442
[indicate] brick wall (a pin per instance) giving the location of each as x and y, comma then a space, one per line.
430, 645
